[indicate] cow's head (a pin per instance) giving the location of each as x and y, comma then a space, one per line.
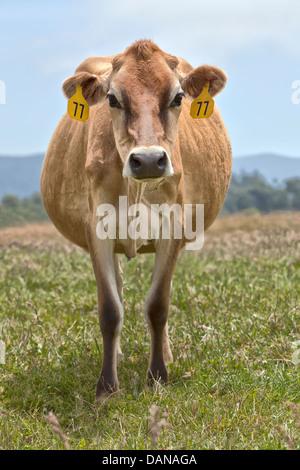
144, 90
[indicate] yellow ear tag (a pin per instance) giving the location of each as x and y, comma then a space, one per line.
203, 106
77, 106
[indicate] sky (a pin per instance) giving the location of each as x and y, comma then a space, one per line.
257, 44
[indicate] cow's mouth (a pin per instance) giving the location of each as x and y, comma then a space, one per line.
155, 182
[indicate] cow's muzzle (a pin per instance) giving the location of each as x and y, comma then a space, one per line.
145, 163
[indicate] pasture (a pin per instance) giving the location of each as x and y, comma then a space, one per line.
233, 325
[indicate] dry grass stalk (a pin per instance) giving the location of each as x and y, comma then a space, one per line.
52, 419
29, 438
295, 409
156, 424
287, 438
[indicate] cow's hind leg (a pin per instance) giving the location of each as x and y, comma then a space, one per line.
157, 308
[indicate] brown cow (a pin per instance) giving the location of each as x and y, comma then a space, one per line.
142, 132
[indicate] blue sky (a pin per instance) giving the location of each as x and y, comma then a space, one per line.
257, 43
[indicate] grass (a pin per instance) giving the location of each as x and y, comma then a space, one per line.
234, 321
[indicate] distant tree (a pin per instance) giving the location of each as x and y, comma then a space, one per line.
15, 211
11, 202
293, 189
36, 198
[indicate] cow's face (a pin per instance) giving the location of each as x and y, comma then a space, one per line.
144, 92
145, 103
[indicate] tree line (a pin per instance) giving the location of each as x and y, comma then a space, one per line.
248, 192
251, 192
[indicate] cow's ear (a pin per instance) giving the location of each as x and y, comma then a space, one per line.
94, 88
193, 82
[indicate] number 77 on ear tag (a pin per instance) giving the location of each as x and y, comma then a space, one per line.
77, 106
203, 105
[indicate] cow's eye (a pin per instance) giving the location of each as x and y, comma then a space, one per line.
177, 100
113, 102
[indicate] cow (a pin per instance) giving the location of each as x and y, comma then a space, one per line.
141, 142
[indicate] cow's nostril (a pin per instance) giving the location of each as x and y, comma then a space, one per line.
162, 162
135, 162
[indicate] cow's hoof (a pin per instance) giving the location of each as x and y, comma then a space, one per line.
105, 390
157, 375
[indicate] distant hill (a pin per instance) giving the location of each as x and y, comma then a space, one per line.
272, 167
21, 175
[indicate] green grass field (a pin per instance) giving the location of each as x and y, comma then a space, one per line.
234, 321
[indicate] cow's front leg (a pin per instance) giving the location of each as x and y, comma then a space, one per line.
110, 310
157, 308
